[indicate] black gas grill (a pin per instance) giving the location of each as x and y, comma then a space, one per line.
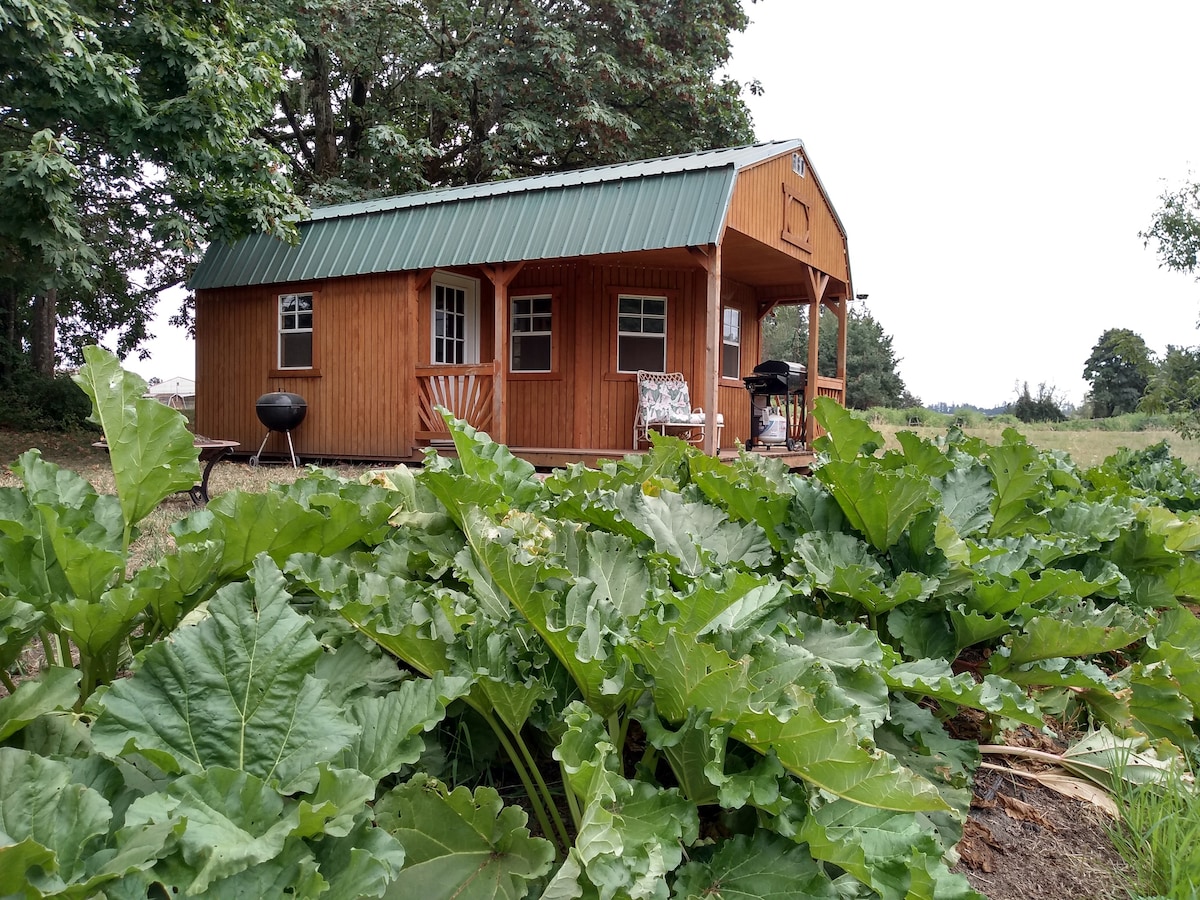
776, 385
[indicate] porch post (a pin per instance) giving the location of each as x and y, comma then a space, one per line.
840, 307
500, 277
712, 348
819, 282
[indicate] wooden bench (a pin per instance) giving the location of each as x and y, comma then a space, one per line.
663, 402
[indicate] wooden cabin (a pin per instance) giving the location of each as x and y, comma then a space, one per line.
525, 306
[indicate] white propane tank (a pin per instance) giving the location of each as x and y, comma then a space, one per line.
775, 431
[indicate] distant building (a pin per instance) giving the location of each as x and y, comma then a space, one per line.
177, 393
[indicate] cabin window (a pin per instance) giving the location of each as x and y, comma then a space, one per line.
296, 331
530, 320
641, 333
731, 343
455, 319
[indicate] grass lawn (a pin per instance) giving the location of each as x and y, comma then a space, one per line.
1087, 448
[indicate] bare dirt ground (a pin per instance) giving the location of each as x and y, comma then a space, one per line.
1022, 841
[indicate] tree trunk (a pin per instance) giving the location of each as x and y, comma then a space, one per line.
325, 123
45, 323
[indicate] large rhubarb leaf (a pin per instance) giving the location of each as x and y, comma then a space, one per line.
52, 832
933, 678
55, 689
460, 845
879, 503
846, 435
233, 821
486, 462
152, 451
233, 691
842, 565
1017, 469
390, 726
1081, 630
879, 847
966, 494
763, 866
631, 833
19, 621
828, 754
751, 489
513, 560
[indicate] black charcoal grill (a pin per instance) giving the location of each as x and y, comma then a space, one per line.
279, 411
777, 384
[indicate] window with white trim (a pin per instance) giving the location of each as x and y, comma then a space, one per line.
641, 333
731, 343
455, 319
530, 322
295, 331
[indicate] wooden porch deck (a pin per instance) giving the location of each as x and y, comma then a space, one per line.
544, 458
557, 457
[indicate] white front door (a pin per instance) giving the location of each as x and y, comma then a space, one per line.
455, 320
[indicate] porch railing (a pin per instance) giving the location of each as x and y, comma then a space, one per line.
834, 388
464, 390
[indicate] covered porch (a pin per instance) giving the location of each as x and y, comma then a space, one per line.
482, 393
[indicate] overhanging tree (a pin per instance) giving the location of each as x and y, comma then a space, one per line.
390, 97
1175, 229
126, 143
1118, 370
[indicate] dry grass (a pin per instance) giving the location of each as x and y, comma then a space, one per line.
75, 452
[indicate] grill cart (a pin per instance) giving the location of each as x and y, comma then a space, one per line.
776, 404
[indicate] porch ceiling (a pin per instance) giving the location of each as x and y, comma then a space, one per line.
774, 275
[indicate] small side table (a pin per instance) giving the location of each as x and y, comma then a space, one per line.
211, 450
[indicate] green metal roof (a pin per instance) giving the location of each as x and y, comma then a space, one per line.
674, 201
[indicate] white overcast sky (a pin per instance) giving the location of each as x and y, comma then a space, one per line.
992, 163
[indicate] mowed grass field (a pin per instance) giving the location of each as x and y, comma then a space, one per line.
1087, 448
75, 451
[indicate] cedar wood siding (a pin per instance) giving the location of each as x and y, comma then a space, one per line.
585, 403
369, 332
361, 348
757, 210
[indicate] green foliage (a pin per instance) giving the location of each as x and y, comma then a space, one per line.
30, 401
644, 652
128, 142
1158, 836
1045, 407
871, 376
1175, 228
386, 99
1119, 370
